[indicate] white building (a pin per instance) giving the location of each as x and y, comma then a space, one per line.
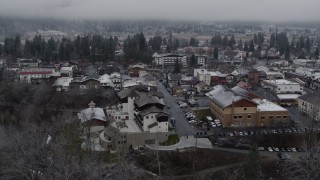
202, 75
139, 119
105, 81
282, 86
308, 72
309, 104
62, 84
169, 59
202, 60
116, 79
36, 75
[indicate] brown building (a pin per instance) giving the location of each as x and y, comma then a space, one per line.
234, 110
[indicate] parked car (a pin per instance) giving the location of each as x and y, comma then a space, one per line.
276, 149
183, 105
261, 148
294, 149
245, 133
270, 149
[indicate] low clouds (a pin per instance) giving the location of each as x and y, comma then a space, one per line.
206, 10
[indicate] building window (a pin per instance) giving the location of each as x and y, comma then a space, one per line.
284, 117
147, 117
245, 109
262, 117
240, 117
278, 116
151, 117
249, 116
270, 117
235, 117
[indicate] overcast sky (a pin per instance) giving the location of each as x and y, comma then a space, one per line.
206, 10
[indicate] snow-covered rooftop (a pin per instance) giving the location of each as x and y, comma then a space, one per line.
63, 81
265, 105
92, 113
281, 81
288, 96
223, 97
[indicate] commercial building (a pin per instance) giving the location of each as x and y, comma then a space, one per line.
236, 110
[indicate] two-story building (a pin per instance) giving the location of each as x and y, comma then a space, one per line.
139, 119
236, 109
309, 104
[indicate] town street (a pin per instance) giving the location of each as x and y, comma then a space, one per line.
182, 125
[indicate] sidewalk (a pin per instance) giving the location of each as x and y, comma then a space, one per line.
185, 141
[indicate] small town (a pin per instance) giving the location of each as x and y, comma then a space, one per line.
159, 100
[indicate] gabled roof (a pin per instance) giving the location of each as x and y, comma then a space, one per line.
152, 109
92, 113
132, 91
223, 97
311, 98
147, 99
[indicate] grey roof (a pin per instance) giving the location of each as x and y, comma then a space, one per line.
92, 113
135, 91
132, 91
311, 98
147, 99
174, 77
266, 94
201, 84
152, 109
223, 97
240, 91
91, 77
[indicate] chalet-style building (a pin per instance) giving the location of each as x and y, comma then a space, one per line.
92, 119
139, 119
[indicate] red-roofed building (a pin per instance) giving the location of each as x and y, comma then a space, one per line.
36, 75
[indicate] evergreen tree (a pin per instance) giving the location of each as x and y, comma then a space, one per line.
316, 53
246, 48
251, 169
164, 41
251, 46
272, 40
215, 53
176, 44
176, 66
240, 45
193, 42
225, 41
193, 60
287, 50
308, 44
255, 39
301, 42
232, 41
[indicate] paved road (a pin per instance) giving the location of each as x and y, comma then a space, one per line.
299, 118
182, 125
185, 141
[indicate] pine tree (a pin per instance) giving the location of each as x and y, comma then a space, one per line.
251, 46
246, 48
215, 53
176, 66
316, 53
193, 60
252, 166
308, 44
225, 41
